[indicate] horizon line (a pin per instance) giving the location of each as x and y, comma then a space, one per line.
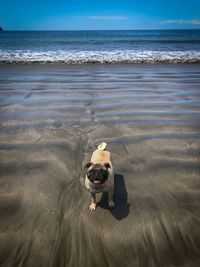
153, 29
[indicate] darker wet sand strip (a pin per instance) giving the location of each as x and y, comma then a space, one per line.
52, 118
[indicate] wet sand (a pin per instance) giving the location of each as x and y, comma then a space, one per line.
52, 118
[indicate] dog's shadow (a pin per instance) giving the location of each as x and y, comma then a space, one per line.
121, 209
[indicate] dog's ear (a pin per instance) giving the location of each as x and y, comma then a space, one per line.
107, 165
88, 165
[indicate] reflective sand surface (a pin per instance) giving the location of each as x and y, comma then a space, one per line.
52, 118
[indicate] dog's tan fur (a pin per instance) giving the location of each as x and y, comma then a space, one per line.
101, 157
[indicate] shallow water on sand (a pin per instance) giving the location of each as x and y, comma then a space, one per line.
52, 118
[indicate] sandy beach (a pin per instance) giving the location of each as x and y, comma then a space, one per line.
53, 117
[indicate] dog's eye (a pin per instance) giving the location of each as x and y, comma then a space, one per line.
89, 175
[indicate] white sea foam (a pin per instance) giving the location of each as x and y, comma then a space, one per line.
114, 56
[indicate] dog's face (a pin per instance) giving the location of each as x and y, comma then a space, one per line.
97, 173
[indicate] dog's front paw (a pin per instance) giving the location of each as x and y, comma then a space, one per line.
92, 206
111, 204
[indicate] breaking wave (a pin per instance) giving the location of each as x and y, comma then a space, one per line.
111, 57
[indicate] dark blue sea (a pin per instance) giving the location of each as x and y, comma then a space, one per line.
76, 47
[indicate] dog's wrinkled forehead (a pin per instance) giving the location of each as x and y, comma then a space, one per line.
97, 167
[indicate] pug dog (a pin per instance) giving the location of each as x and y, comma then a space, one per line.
99, 177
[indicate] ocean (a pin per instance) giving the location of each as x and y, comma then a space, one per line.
79, 47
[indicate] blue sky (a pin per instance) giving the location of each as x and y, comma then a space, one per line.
99, 15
